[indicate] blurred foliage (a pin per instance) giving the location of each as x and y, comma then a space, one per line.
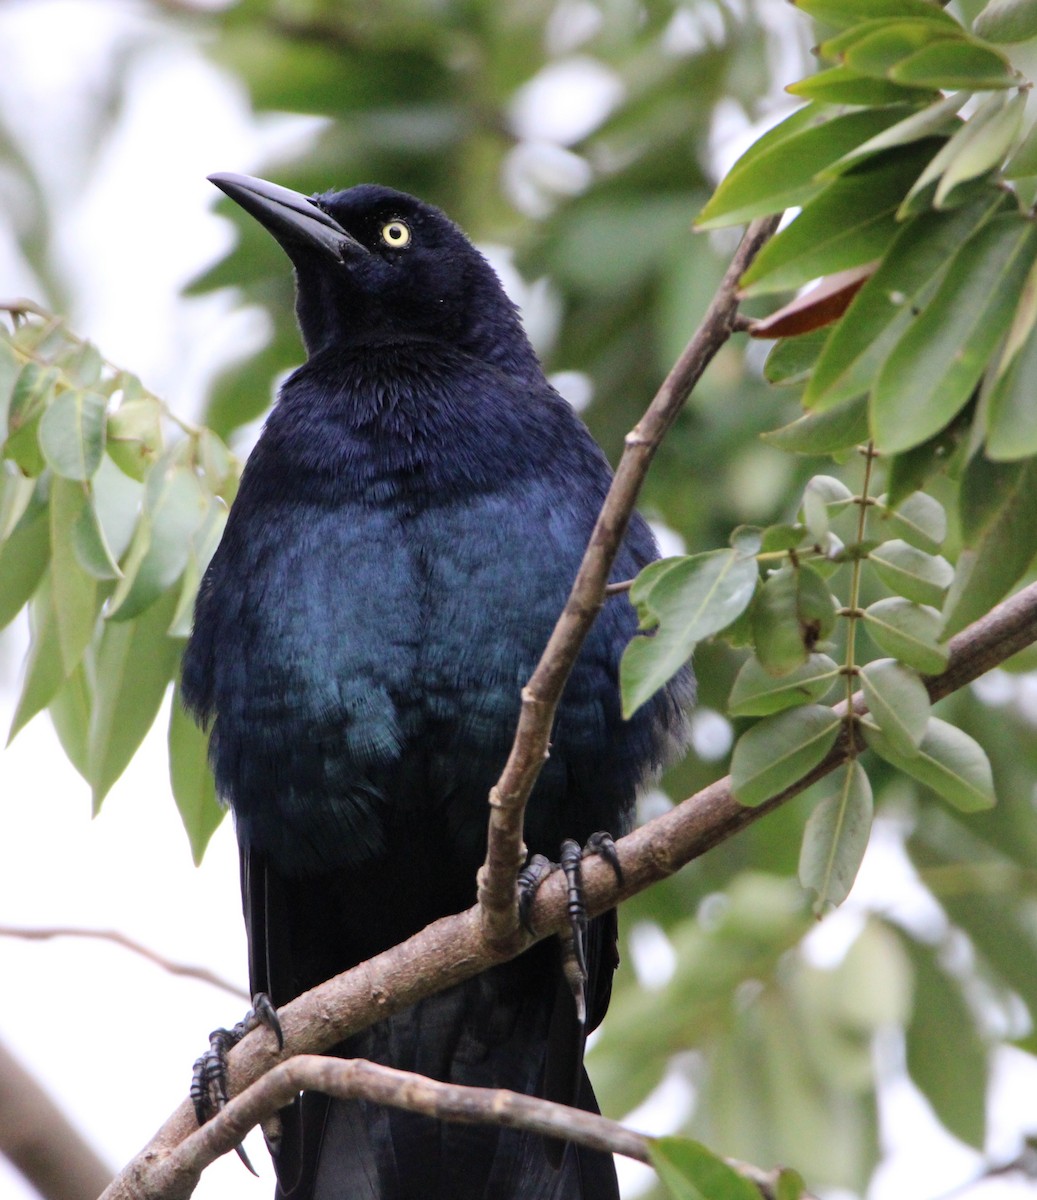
110, 507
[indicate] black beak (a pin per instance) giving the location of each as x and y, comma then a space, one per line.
293, 219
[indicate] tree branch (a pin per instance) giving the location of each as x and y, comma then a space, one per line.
41, 1141
457, 947
505, 851
350, 1079
203, 974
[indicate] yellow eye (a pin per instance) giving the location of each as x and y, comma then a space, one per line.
396, 234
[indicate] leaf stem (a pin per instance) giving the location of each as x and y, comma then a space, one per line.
852, 611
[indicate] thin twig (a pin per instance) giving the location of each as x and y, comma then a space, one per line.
505, 851
127, 943
456, 948
350, 1079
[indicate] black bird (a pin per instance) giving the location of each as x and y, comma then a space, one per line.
406, 532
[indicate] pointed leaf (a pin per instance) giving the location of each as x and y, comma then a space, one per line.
952, 64
779, 751
999, 526
850, 223
919, 257
1011, 412
194, 789
844, 14
792, 359
897, 702
91, 547
836, 837
23, 559
938, 118
780, 170
827, 432
955, 1084
71, 434
947, 760
135, 662
691, 1172
909, 632
758, 693
175, 506
73, 590
44, 670
842, 85
816, 308
933, 369
692, 598
1007, 21
878, 47
981, 151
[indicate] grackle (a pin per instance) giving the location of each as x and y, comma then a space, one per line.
406, 532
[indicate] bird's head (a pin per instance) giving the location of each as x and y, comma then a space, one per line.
376, 265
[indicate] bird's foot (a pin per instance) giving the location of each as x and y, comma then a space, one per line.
574, 940
209, 1076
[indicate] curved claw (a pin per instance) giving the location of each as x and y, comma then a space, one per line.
209, 1075
529, 880
574, 942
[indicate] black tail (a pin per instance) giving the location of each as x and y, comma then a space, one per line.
495, 1031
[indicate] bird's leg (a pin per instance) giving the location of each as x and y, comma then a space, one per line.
574, 940
209, 1076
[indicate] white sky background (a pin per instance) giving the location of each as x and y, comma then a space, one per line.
110, 1035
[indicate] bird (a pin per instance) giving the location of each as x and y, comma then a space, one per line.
406, 531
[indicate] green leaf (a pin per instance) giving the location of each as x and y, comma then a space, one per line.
91, 547
10, 369
908, 632
32, 393
828, 432
70, 715
919, 519
44, 670
936, 119
779, 751
23, 560
952, 64
1011, 413
1007, 21
684, 600
981, 145
135, 663
782, 171
998, 508
836, 837
955, 1083
878, 47
758, 693
792, 358
691, 1172
175, 505
71, 434
884, 307
194, 789
850, 223
843, 14
937, 363
912, 469
793, 611
135, 435
898, 703
947, 760
910, 572
841, 85
73, 590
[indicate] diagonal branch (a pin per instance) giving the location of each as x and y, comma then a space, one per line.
351, 1079
457, 947
505, 851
